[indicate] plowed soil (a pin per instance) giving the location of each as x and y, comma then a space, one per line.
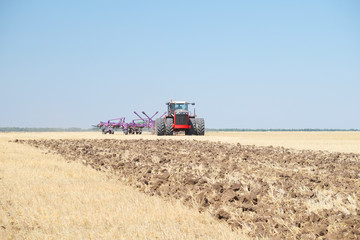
269, 192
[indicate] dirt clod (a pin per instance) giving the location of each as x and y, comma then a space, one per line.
223, 215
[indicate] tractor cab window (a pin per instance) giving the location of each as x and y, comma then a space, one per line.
182, 106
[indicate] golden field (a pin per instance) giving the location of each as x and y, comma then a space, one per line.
348, 142
45, 196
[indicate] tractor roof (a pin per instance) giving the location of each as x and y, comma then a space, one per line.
181, 102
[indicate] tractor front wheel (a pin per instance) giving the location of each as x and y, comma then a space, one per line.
192, 130
200, 126
169, 130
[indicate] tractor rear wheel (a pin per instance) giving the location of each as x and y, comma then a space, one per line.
160, 126
169, 126
200, 126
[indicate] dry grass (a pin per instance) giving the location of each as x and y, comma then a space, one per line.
348, 142
45, 197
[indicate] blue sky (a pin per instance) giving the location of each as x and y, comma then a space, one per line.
253, 64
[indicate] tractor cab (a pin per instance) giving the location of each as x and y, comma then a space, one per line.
178, 107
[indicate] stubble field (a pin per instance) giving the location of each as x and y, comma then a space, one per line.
258, 191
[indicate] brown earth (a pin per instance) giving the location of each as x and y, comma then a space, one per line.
270, 191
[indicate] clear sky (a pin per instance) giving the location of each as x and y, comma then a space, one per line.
246, 64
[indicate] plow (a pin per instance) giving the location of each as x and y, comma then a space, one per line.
135, 126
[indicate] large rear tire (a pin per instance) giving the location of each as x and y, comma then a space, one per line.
200, 126
169, 130
160, 126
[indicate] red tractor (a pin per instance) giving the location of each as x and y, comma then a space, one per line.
179, 118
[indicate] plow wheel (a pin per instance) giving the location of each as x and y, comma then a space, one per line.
160, 126
169, 126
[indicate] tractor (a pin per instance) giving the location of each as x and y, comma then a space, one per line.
178, 118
